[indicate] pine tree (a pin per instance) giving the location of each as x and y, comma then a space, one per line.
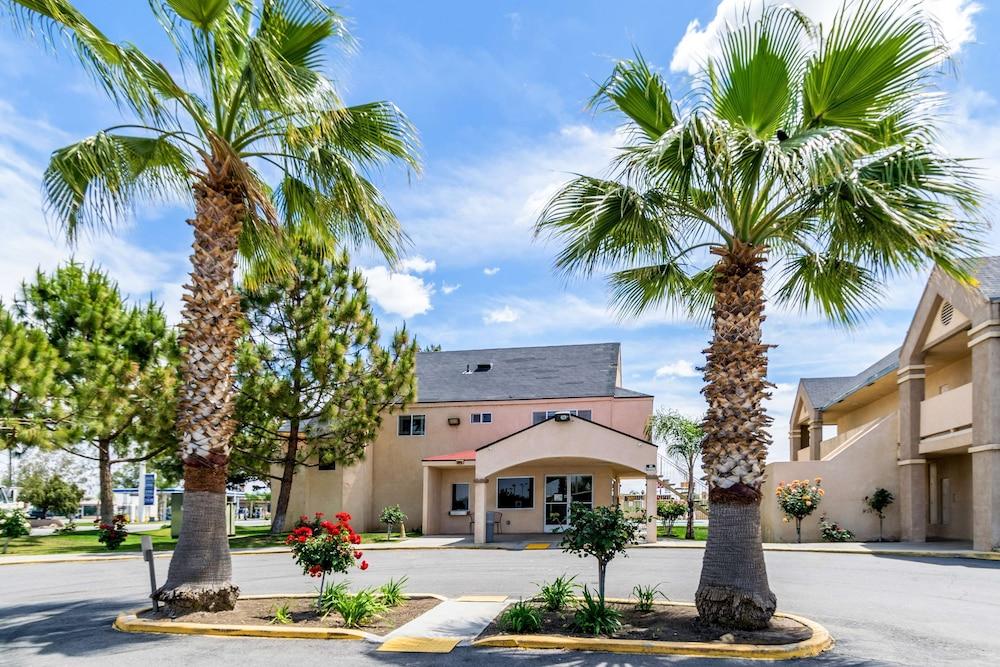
314, 380
118, 374
28, 367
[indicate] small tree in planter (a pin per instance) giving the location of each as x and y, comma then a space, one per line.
670, 511
392, 516
798, 499
877, 503
330, 548
601, 532
13, 523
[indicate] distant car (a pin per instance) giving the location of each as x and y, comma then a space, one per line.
35, 513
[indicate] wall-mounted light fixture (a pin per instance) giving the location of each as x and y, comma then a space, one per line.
562, 416
454, 421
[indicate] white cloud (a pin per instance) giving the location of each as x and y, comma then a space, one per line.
955, 18
491, 270
504, 315
417, 264
448, 289
680, 369
398, 293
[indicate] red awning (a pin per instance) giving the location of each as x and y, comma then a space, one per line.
467, 455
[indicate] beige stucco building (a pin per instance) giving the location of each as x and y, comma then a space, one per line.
520, 432
923, 422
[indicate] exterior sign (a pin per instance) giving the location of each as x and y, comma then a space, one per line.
149, 490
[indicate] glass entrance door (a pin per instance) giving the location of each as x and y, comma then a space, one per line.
561, 493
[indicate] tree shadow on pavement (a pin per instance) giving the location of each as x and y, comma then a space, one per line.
73, 629
976, 563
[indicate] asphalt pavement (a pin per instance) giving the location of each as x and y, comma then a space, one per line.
881, 610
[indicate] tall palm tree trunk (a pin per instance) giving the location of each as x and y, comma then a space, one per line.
733, 591
201, 569
689, 531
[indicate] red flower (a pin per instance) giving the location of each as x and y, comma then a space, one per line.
357, 555
355, 538
364, 565
343, 516
303, 517
319, 515
315, 571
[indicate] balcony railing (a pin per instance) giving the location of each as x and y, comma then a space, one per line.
947, 412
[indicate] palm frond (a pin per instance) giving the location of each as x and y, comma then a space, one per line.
639, 93
674, 284
840, 290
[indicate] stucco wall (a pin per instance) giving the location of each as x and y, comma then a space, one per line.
955, 505
879, 408
847, 478
951, 376
393, 473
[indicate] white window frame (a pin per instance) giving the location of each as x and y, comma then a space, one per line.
515, 509
549, 414
411, 434
481, 418
468, 499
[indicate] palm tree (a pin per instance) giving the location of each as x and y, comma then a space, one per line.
259, 141
810, 152
683, 437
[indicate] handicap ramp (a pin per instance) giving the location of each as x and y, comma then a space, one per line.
445, 626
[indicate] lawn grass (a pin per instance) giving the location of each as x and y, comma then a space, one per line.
700, 532
85, 541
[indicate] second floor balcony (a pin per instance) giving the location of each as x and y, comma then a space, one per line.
946, 420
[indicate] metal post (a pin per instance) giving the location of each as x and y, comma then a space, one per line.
147, 555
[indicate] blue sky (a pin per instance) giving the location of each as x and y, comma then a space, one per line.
498, 92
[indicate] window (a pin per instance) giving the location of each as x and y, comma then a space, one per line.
482, 418
542, 416
515, 493
459, 497
411, 424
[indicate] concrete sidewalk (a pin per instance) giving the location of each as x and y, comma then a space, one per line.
899, 549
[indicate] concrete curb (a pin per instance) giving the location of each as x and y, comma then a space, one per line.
129, 621
819, 642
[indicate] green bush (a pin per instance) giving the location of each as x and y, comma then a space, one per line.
877, 503
601, 532
391, 516
670, 511
13, 523
645, 596
359, 608
520, 617
832, 532
392, 592
596, 618
281, 615
327, 601
558, 595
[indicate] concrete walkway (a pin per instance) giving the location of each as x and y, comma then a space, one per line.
458, 618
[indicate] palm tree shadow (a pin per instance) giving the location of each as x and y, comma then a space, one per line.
75, 629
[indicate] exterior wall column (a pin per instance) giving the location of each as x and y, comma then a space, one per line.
816, 436
913, 495
480, 511
651, 483
794, 443
984, 340
427, 516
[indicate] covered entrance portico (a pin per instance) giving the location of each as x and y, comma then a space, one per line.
531, 480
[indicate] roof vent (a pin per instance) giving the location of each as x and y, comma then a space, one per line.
483, 368
947, 310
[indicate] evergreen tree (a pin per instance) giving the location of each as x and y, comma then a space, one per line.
28, 366
314, 380
118, 373
49, 492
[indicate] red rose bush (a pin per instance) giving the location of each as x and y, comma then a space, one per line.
320, 546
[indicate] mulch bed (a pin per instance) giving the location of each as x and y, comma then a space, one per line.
668, 623
303, 612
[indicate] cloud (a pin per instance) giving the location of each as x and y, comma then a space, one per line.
955, 18
417, 264
680, 369
398, 293
491, 270
503, 315
448, 289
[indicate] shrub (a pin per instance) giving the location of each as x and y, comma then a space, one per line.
832, 532
876, 504
330, 548
312, 524
596, 618
520, 617
112, 535
391, 516
645, 596
281, 615
601, 532
13, 523
68, 528
357, 609
670, 511
558, 595
798, 499
326, 603
392, 592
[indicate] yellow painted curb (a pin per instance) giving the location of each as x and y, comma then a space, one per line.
419, 645
819, 641
130, 622
536, 545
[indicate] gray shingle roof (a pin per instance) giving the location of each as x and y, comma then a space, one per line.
824, 392
558, 371
987, 272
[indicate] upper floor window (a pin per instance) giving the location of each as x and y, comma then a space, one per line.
541, 416
481, 418
412, 424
